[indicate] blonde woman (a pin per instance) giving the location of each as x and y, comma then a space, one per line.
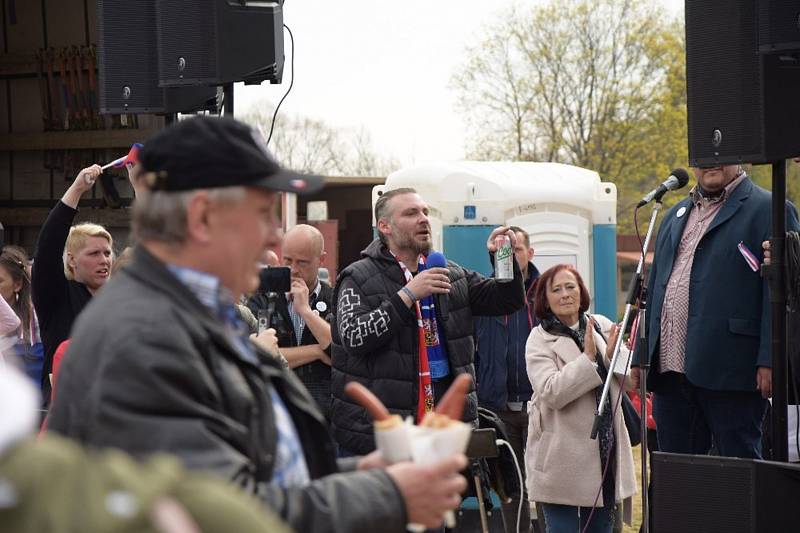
71, 263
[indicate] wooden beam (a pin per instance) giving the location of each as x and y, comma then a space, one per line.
74, 140
17, 65
35, 217
23, 66
349, 181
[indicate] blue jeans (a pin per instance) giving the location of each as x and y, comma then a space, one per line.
572, 519
689, 418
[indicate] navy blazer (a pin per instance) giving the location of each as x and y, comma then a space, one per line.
728, 331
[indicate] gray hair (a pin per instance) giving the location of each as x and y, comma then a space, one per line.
161, 215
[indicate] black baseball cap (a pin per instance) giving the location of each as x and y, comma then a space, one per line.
212, 152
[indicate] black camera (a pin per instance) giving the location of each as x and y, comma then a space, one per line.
275, 279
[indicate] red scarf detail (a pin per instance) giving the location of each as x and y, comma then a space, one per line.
425, 399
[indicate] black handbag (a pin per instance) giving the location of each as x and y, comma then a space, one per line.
629, 413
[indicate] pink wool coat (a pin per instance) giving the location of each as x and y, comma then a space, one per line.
562, 462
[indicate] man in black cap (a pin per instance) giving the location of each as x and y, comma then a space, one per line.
159, 361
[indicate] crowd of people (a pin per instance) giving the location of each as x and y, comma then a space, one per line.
179, 353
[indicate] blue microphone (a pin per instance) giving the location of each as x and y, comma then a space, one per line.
437, 259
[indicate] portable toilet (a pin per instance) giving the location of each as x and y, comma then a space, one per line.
568, 211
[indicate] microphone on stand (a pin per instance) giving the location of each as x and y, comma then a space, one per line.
677, 180
437, 259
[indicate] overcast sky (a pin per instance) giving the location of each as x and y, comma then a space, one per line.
385, 66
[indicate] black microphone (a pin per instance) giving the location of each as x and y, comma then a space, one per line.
677, 180
437, 259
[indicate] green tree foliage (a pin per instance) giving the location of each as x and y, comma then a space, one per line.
597, 84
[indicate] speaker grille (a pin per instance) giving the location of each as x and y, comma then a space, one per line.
696, 494
723, 82
778, 25
127, 54
128, 64
187, 39
216, 42
743, 105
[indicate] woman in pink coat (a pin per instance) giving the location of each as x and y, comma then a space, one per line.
577, 479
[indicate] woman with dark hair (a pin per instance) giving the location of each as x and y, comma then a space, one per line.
577, 479
15, 289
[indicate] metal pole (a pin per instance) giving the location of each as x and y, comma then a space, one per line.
777, 298
227, 91
643, 368
633, 295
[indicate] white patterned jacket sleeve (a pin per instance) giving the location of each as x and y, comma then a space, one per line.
363, 329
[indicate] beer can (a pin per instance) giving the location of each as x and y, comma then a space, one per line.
503, 259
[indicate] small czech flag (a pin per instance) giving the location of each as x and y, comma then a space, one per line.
751, 260
131, 159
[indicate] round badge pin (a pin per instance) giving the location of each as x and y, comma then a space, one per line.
681, 212
321, 307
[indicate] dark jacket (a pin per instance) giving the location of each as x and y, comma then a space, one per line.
316, 375
728, 333
57, 300
375, 337
150, 370
500, 341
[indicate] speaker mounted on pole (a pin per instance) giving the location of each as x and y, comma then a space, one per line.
127, 57
742, 106
778, 25
216, 42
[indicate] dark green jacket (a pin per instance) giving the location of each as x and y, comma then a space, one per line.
53, 485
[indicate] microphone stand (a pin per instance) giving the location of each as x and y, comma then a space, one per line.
631, 300
272, 299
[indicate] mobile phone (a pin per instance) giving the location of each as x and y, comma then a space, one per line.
275, 279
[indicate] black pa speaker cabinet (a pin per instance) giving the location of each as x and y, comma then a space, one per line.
219, 41
743, 107
700, 494
128, 64
703, 494
778, 25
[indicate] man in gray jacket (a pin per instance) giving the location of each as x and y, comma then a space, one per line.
160, 362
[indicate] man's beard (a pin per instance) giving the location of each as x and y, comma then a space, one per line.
407, 242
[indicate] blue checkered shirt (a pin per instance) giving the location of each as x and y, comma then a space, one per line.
298, 323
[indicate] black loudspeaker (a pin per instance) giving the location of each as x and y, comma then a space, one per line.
219, 41
778, 25
128, 63
703, 494
743, 107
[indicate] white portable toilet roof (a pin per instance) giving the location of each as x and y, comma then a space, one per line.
511, 184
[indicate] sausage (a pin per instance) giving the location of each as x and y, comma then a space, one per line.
364, 397
453, 401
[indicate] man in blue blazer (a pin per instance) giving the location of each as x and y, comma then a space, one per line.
708, 320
